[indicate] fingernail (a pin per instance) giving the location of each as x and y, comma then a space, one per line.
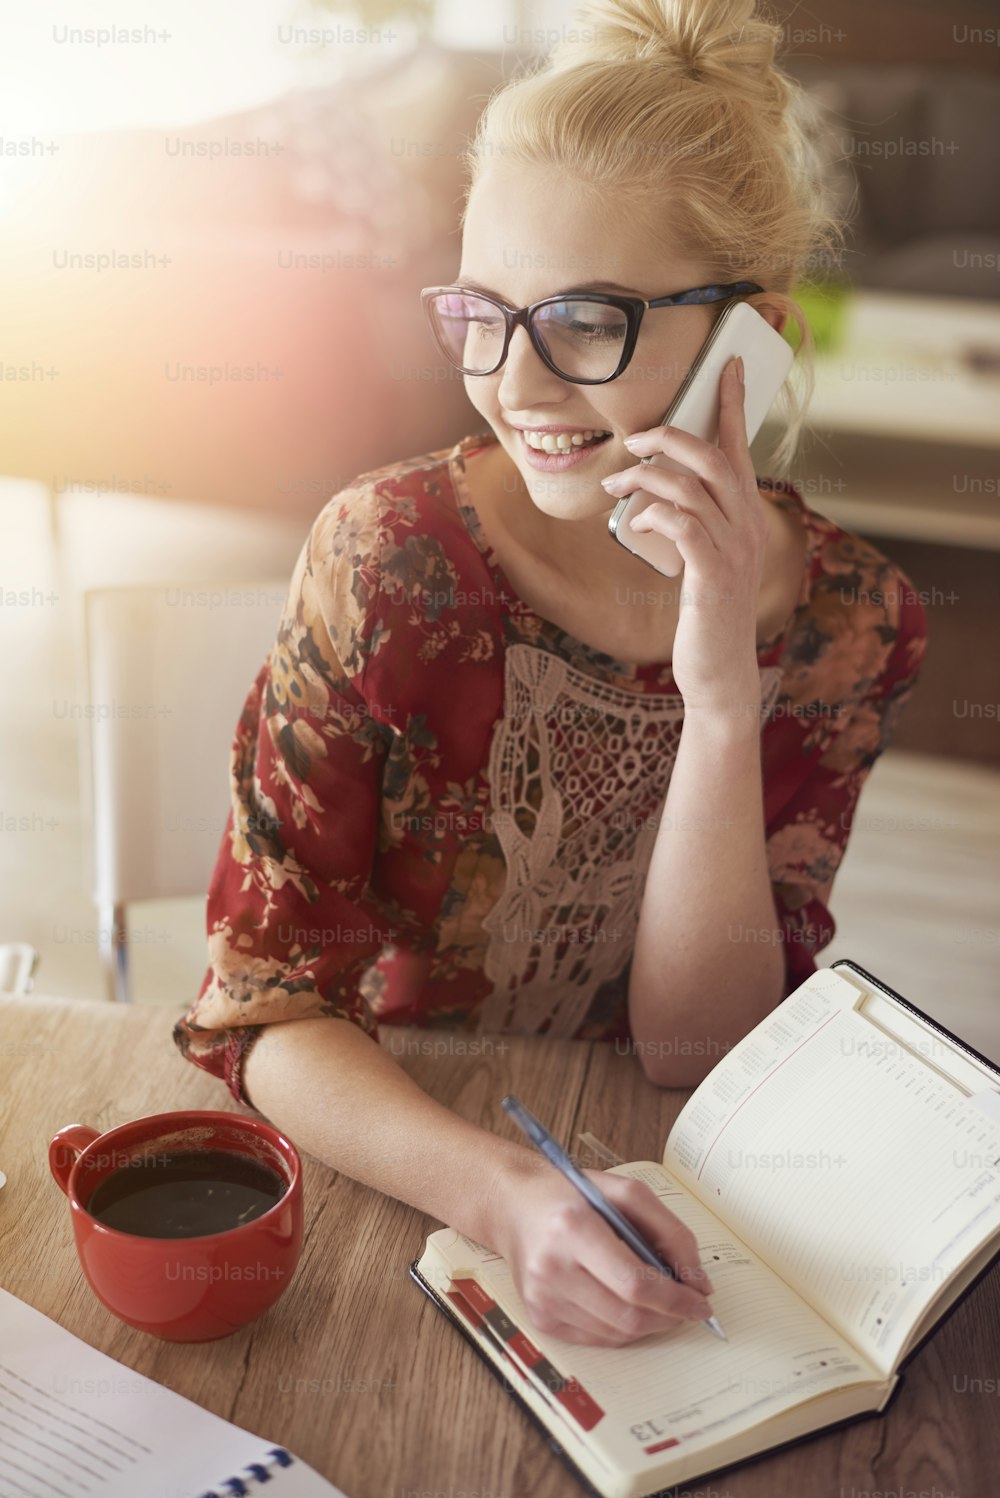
739, 369
612, 481
640, 442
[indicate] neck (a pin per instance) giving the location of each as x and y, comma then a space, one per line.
581, 552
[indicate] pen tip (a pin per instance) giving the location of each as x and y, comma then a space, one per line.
714, 1326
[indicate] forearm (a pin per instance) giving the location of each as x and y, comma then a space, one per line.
344, 1100
708, 961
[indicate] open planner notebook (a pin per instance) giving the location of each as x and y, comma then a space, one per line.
840, 1168
76, 1424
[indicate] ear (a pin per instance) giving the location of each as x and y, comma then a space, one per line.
777, 317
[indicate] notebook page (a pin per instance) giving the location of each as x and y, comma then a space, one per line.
862, 1176
686, 1386
74, 1422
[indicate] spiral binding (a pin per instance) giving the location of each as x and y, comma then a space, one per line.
250, 1478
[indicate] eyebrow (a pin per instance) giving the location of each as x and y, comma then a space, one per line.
581, 286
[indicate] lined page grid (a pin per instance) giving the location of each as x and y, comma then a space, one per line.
79, 1456
857, 1173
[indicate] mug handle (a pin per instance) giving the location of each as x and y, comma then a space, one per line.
66, 1147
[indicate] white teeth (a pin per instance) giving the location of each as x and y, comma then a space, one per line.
560, 442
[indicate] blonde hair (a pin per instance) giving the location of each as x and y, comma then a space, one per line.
676, 108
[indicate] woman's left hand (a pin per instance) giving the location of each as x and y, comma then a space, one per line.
720, 528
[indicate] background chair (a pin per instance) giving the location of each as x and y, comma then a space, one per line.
18, 961
168, 667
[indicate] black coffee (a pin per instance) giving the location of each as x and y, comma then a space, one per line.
186, 1194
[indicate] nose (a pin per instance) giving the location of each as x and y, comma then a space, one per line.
526, 381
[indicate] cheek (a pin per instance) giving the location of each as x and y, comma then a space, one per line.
480, 396
667, 359
642, 408
653, 391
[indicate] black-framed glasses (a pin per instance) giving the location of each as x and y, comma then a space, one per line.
586, 337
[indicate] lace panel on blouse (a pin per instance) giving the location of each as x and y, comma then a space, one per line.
578, 770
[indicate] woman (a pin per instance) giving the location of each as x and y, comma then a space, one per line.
499, 774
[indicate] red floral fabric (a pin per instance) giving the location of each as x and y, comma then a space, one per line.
359, 859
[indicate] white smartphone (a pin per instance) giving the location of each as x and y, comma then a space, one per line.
767, 358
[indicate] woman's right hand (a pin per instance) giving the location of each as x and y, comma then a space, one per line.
576, 1278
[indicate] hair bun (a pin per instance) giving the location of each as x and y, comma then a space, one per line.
720, 42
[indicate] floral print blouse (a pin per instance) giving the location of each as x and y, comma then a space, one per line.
443, 805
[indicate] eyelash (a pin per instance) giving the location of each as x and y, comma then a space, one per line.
598, 334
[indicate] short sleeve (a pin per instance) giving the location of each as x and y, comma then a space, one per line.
807, 840
292, 919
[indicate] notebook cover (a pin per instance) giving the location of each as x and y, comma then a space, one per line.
935, 1024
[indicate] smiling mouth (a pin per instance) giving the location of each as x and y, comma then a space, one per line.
563, 442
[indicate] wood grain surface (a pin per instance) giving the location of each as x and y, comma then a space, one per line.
353, 1368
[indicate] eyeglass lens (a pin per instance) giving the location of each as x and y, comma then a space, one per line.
584, 340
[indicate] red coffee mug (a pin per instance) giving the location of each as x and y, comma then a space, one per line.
182, 1289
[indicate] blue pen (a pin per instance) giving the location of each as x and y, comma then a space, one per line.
557, 1156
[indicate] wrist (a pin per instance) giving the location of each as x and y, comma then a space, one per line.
517, 1166
737, 719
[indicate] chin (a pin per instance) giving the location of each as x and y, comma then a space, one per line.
563, 502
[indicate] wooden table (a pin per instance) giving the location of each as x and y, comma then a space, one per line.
353, 1368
